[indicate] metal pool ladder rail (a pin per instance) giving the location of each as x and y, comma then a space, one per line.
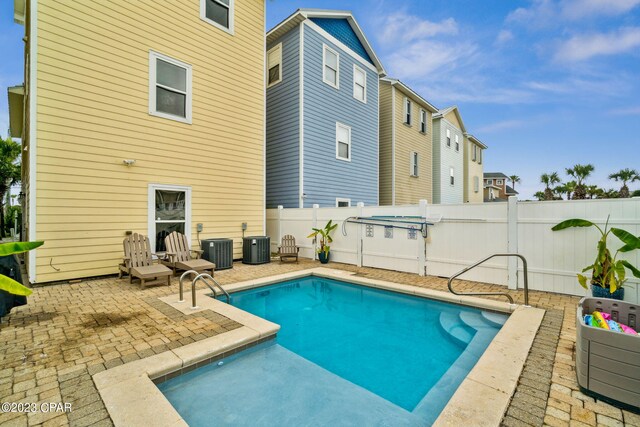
526, 278
205, 278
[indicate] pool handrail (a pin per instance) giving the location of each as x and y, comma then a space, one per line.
464, 270
205, 277
195, 273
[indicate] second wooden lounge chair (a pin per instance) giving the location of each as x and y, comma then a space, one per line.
179, 255
288, 249
138, 262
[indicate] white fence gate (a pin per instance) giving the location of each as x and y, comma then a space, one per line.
463, 234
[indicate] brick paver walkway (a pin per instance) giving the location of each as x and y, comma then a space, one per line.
50, 348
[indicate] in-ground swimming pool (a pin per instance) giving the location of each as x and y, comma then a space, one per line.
345, 354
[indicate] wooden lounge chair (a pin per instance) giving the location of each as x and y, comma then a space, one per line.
288, 249
138, 262
179, 255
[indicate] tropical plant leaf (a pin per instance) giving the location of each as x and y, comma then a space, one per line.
630, 266
572, 223
627, 248
583, 281
587, 268
620, 271
17, 247
613, 284
627, 238
7, 284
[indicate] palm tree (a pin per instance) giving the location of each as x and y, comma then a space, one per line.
593, 191
580, 173
9, 172
540, 195
625, 175
549, 179
568, 188
514, 179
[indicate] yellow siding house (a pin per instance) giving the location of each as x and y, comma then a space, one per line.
405, 145
473, 169
139, 116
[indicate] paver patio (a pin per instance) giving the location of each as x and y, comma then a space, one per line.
50, 348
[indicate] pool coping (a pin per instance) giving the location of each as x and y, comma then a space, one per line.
132, 398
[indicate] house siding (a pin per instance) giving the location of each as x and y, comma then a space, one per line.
283, 127
386, 144
472, 169
408, 138
437, 167
325, 177
448, 157
93, 112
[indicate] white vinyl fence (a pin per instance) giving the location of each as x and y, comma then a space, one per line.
463, 234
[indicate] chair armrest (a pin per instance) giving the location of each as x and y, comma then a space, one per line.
126, 261
198, 252
170, 255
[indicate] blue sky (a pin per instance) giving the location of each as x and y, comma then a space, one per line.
544, 83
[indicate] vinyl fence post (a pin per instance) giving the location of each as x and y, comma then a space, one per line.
279, 232
359, 242
512, 241
422, 249
314, 224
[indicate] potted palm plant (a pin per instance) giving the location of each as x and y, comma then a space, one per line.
325, 239
608, 273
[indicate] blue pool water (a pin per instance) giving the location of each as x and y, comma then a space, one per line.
349, 347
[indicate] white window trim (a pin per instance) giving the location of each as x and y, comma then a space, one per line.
153, 57
447, 140
355, 69
452, 174
479, 156
423, 121
457, 142
475, 153
338, 125
151, 217
407, 111
203, 16
476, 184
499, 182
414, 156
326, 48
269, 52
341, 199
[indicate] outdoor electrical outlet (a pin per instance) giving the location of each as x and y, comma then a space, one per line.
199, 227
244, 226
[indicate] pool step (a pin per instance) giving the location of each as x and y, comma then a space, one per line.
496, 319
476, 320
459, 331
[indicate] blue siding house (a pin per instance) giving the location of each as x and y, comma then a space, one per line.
322, 112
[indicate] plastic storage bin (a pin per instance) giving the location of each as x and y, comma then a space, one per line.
607, 362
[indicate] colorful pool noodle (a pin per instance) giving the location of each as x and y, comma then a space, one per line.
613, 325
598, 320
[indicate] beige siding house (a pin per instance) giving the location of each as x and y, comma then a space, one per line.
473, 169
405, 145
142, 119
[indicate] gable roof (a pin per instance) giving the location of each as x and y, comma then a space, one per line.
321, 18
475, 141
495, 175
407, 90
510, 190
441, 113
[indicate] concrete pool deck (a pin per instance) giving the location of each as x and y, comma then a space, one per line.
50, 349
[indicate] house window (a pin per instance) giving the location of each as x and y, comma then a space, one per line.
452, 179
479, 156
423, 121
274, 65
414, 164
343, 142
343, 203
407, 111
489, 182
457, 143
448, 138
498, 182
218, 13
359, 84
169, 88
331, 67
475, 152
169, 211
476, 184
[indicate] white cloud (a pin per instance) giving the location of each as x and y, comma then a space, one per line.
500, 126
404, 28
630, 111
504, 36
547, 13
584, 46
424, 58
